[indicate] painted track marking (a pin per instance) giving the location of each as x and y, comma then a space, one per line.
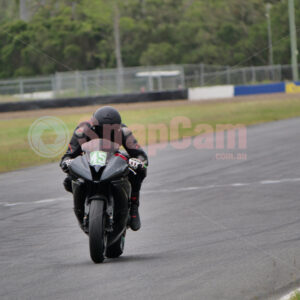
183, 189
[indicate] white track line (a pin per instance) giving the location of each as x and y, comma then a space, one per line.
217, 186
289, 296
7, 204
184, 189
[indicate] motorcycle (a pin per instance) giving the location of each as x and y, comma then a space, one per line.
103, 170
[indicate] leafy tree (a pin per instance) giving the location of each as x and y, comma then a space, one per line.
79, 34
159, 54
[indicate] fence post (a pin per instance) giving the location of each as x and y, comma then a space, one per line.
272, 75
85, 84
228, 79
57, 84
202, 74
98, 82
159, 83
77, 82
253, 74
150, 82
21, 85
182, 77
280, 72
120, 80
244, 76
53, 86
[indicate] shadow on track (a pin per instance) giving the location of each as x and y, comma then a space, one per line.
132, 258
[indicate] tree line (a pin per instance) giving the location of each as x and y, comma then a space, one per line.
81, 35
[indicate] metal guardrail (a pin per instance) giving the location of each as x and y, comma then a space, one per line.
133, 80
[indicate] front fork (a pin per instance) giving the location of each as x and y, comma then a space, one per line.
110, 211
109, 204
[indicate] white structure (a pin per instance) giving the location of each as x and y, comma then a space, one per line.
214, 92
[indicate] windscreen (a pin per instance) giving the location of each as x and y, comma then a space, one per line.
98, 151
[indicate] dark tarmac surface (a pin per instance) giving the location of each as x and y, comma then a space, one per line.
212, 229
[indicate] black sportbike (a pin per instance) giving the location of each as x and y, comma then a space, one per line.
104, 170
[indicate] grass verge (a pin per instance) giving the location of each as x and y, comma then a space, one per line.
295, 296
16, 153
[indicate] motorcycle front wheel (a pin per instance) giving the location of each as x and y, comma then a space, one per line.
97, 235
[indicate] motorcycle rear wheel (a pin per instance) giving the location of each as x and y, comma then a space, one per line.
97, 234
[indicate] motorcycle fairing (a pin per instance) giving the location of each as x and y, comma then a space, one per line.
116, 167
80, 168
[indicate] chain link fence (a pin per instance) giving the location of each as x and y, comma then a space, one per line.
136, 80
206, 75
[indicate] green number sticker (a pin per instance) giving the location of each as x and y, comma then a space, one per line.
98, 158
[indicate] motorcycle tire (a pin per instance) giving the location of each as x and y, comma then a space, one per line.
97, 234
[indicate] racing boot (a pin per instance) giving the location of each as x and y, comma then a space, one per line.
135, 222
79, 194
68, 184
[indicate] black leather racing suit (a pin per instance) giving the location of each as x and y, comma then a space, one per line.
85, 132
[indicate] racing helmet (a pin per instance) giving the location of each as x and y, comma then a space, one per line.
106, 115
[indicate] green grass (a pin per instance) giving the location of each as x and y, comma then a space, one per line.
296, 296
16, 153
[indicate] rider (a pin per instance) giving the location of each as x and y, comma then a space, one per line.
106, 123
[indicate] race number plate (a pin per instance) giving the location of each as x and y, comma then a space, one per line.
98, 158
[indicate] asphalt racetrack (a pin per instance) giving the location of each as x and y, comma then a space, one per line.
212, 229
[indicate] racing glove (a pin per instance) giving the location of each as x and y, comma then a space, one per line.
135, 163
65, 165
